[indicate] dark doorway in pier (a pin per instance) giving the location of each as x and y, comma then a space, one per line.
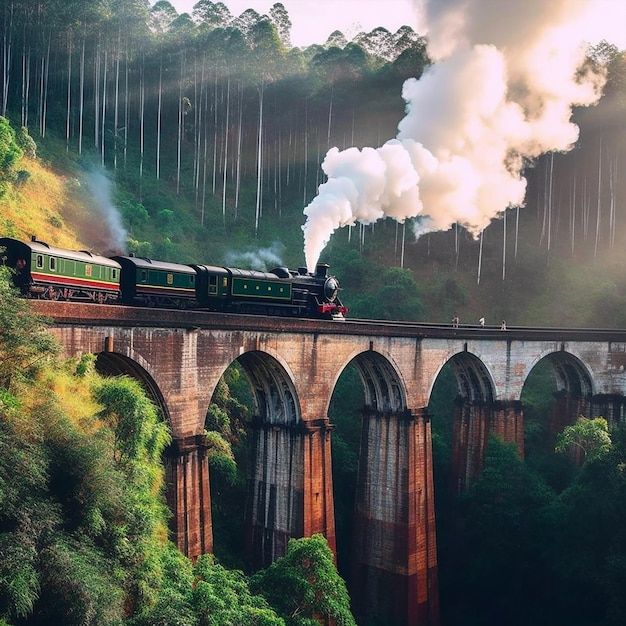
345, 414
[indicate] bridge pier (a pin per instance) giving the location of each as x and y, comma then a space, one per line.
612, 407
507, 422
189, 495
568, 407
470, 431
394, 561
473, 423
290, 490
319, 507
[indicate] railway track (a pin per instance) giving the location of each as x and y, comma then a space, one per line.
69, 313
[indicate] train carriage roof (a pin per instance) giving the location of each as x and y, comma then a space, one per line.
212, 269
252, 274
150, 264
233, 271
21, 248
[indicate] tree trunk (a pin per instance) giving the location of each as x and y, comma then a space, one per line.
68, 118
6, 56
259, 174
227, 122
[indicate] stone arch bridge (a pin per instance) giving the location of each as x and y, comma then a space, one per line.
293, 366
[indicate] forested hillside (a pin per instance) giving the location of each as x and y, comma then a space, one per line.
201, 138
83, 520
206, 132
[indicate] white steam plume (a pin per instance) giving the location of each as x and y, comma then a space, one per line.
112, 236
500, 92
257, 259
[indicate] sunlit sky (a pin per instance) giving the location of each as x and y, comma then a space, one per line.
314, 20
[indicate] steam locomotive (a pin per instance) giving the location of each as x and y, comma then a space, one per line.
45, 272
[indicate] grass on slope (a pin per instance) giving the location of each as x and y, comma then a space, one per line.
44, 203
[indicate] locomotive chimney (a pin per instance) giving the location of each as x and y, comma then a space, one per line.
321, 269
302, 271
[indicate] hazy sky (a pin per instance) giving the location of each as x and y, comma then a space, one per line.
314, 20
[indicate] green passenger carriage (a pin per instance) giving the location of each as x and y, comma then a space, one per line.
45, 272
156, 283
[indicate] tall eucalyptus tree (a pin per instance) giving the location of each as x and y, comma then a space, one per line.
268, 52
7, 37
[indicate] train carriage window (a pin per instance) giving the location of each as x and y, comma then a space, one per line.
144, 276
170, 279
40, 261
114, 273
88, 269
52, 262
213, 284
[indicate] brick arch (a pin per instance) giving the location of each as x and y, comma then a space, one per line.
382, 384
116, 364
273, 388
474, 381
572, 375
574, 391
276, 475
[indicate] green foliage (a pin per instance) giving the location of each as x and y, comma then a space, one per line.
139, 434
52, 562
10, 152
590, 437
226, 423
539, 441
345, 413
222, 596
304, 585
86, 365
587, 545
22, 484
82, 518
135, 215
392, 292
25, 344
490, 560
173, 606
25, 142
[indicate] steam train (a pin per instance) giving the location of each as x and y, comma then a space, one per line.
45, 272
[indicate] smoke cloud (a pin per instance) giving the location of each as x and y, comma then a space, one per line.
500, 93
263, 258
111, 236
